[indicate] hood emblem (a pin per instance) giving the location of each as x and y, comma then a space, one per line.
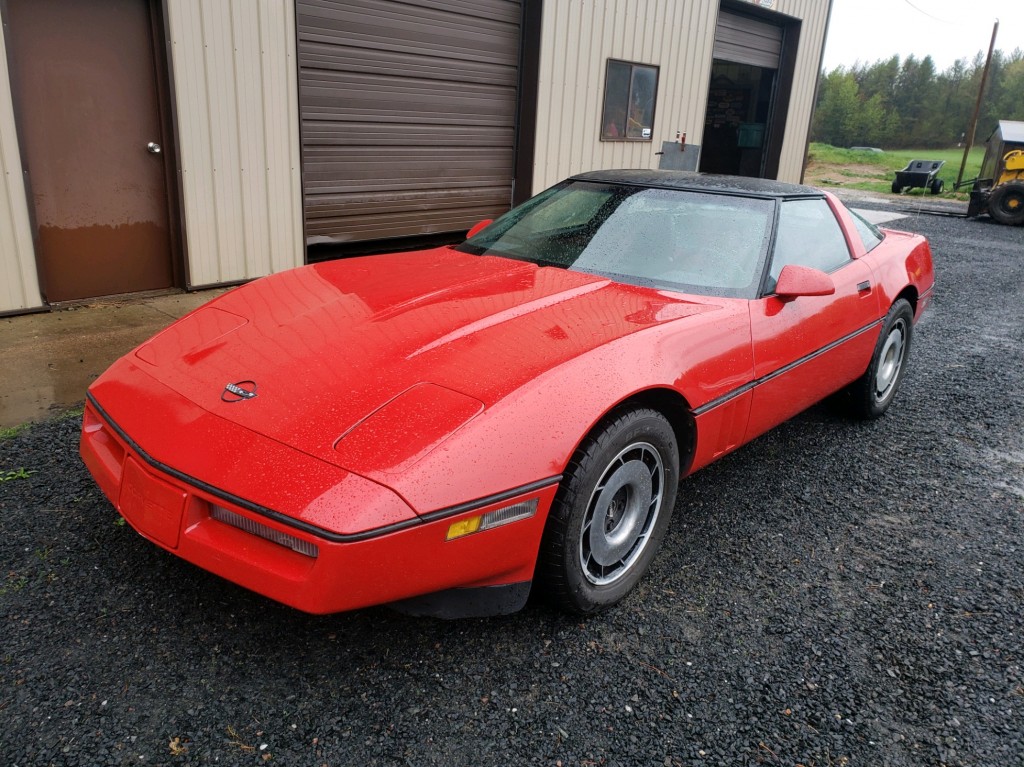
239, 391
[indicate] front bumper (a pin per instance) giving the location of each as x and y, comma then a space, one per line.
398, 561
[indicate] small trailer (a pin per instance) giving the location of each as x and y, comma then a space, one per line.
921, 174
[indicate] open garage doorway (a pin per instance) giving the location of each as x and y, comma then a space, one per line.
748, 94
739, 107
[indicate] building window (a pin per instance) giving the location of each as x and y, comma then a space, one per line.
629, 91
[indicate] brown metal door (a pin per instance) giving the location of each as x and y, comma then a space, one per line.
88, 106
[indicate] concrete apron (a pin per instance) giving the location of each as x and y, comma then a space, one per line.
47, 361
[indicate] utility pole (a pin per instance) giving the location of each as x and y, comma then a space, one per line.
977, 106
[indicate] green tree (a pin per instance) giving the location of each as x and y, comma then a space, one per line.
836, 120
915, 85
1007, 95
880, 79
907, 103
870, 123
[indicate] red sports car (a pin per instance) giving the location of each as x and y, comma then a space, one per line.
446, 430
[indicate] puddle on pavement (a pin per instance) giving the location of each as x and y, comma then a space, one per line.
48, 360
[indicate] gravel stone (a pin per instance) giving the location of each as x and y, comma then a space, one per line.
835, 593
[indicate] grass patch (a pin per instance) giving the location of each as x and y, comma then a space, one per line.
71, 414
875, 171
19, 473
10, 432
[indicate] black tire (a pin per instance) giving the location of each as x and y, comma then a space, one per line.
870, 395
936, 186
896, 188
624, 475
1006, 203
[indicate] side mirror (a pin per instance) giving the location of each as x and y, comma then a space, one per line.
795, 281
479, 226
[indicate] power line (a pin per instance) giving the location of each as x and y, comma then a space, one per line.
926, 13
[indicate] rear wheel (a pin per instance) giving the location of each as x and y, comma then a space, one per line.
611, 512
871, 394
896, 188
936, 186
1006, 203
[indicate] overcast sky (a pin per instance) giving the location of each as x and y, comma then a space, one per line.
868, 30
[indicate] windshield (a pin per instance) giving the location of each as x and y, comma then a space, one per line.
693, 242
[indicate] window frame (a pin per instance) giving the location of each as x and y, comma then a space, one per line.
768, 281
488, 242
633, 65
859, 224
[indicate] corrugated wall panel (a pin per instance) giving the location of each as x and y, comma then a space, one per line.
578, 38
237, 112
19, 285
283, 167
408, 114
814, 14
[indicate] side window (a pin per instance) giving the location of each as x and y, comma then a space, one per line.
808, 235
870, 234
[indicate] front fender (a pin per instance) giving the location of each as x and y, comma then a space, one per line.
531, 433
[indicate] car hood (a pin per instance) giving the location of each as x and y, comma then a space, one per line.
371, 362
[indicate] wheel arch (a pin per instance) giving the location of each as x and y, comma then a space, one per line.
670, 404
564, 570
910, 295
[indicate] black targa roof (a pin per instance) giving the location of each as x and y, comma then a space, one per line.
701, 182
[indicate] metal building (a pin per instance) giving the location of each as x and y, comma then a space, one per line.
150, 145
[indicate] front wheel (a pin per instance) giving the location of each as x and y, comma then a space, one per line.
871, 394
611, 512
1006, 203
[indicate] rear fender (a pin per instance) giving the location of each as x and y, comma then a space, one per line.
895, 274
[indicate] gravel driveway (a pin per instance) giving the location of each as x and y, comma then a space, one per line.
835, 593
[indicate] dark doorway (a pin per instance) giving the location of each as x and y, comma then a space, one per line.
737, 119
87, 98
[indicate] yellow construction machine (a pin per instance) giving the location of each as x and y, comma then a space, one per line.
999, 189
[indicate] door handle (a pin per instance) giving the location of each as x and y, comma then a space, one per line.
153, 148
864, 287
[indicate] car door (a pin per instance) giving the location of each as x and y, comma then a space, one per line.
808, 347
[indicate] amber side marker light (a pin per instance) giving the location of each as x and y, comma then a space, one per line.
268, 533
492, 519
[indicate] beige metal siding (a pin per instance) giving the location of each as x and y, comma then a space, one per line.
814, 14
237, 129
19, 286
408, 114
577, 39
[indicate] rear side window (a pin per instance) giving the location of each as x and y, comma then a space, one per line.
870, 234
808, 235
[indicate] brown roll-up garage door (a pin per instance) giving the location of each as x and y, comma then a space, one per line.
407, 114
745, 40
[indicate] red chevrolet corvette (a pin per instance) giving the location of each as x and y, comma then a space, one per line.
444, 430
